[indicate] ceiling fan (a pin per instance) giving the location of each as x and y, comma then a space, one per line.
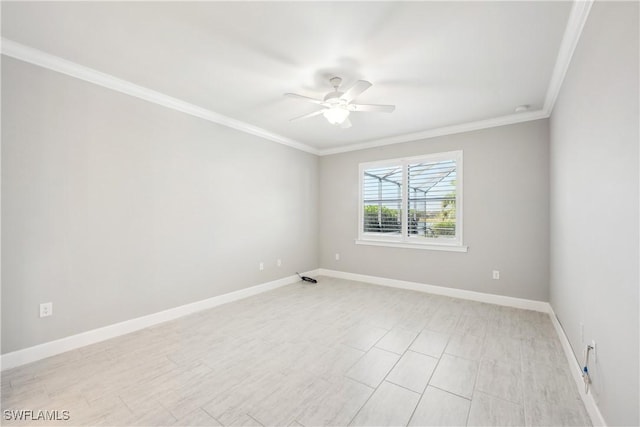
338, 105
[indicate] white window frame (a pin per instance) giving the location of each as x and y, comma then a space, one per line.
404, 240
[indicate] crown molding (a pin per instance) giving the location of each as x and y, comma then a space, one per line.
36, 57
575, 24
442, 131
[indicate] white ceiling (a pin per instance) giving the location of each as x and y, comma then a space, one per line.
440, 63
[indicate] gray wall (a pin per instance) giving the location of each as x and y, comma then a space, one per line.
506, 211
594, 205
113, 208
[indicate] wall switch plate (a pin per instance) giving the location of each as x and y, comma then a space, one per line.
595, 353
496, 275
261, 266
337, 257
46, 309
279, 262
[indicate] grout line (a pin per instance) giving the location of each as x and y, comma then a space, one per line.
524, 406
360, 382
385, 376
401, 386
450, 392
430, 376
214, 418
248, 415
475, 382
497, 397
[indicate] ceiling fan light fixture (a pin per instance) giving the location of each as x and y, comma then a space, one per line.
337, 106
336, 115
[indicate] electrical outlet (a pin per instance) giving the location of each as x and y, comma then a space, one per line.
337, 257
496, 275
279, 262
261, 266
595, 353
46, 309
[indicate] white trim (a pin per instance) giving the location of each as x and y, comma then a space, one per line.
51, 348
36, 57
403, 240
442, 131
525, 304
575, 24
409, 245
576, 372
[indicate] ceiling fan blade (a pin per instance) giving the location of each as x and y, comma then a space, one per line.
372, 108
304, 98
306, 116
356, 89
346, 124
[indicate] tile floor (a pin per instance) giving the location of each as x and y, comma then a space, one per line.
335, 353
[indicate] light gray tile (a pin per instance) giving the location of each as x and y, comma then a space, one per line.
501, 347
455, 375
373, 367
537, 351
500, 379
550, 383
197, 418
491, 411
282, 406
110, 410
396, 340
541, 414
390, 405
467, 346
413, 322
363, 337
151, 418
337, 406
430, 343
337, 361
471, 325
245, 420
439, 408
280, 356
227, 405
413, 371
444, 321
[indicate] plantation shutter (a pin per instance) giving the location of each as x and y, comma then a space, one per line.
382, 200
431, 188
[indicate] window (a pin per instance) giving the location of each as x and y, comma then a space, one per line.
412, 202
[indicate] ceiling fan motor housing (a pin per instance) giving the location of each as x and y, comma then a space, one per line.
335, 82
334, 97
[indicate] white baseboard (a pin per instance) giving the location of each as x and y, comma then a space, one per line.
576, 372
51, 348
41, 351
441, 290
545, 307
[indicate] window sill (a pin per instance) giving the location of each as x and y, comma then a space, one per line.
407, 245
